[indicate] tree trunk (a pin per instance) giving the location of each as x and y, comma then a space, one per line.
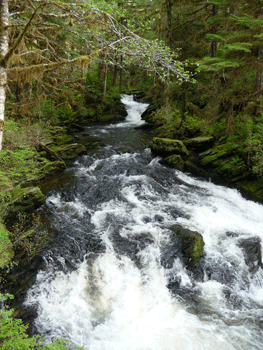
169, 21
120, 82
167, 95
259, 77
105, 79
214, 43
115, 72
4, 19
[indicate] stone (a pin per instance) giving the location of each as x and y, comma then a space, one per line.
27, 199
192, 244
175, 161
200, 143
252, 251
164, 146
70, 151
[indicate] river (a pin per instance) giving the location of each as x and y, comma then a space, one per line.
111, 280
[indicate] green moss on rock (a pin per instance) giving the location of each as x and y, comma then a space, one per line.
192, 244
255, 187
50, 168
70, 151
199, 143
26, 199
194, 170
218, 152
175, 161
165, 146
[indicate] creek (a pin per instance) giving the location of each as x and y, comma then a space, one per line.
111, 279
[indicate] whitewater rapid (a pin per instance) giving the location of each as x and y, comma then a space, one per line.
105, 284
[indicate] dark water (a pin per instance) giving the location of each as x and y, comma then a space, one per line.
112, 279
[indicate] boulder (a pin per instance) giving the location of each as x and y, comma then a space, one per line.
163, 146
200, 143
252, 251
191, 244
175, 161
70, 151
27, 199
195, 170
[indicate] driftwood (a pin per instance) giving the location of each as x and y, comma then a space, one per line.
40, 146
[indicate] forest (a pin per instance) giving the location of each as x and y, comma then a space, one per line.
65, 64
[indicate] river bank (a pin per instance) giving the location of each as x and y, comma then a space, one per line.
188, 145
34, 153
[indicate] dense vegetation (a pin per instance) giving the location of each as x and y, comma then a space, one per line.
200, 63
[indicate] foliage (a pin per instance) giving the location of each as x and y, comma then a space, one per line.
28, 234
6, 252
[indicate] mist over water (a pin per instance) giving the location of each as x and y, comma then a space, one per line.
106, 284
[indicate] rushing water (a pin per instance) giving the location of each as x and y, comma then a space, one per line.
112, 280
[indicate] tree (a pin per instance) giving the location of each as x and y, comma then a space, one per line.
4, 21
57, 38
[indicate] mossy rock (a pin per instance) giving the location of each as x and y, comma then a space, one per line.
164, 131
194, 170
163, 146
219, 152
63, 139
148, 114
255, 187
192, 244
50, 168
70, 151
199, 143
26, 199
90, 142
175, 161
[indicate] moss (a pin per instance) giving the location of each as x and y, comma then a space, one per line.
195, 249
175, 161
167, 146
192, 244
26, 199
218, 152
194, 170
255, 187
199, 143
6, 251
50, 168
70, 151
60, 135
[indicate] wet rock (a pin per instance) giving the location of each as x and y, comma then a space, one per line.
148, 114
71, 151
252, 251
131, 246
191, 244
175, 161
165, 146
200, 143
50, 168
195, 170
27, 199
90, 142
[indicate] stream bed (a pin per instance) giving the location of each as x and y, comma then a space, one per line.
111, 278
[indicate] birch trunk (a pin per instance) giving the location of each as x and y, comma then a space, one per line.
4, 19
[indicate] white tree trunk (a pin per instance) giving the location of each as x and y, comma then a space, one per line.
4, 19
